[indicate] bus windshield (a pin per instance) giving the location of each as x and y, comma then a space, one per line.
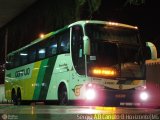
117, 48
116, 34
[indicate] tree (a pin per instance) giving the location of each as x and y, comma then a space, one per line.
92, 6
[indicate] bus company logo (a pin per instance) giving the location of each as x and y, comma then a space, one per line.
4, 117
22, 72
76, 90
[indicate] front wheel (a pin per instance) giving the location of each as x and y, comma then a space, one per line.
62, 95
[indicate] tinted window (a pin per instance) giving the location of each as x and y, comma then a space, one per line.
77, 49
52, 47
9, 63
24, 57
63, 41
16, 60
32, 54
41, 53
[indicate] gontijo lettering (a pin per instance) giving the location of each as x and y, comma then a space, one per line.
22, 72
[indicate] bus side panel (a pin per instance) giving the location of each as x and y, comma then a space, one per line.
39, 84
30, 84
45, 83
60, 74
64, 72
23, 78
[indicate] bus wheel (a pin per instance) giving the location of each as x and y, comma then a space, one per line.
19, 97
14, 97
62, 95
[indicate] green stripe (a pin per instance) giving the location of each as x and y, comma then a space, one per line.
47, 78
40, 79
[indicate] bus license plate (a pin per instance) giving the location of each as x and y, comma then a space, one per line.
120, 96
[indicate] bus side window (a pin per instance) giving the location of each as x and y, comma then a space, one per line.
32, 54
16, 60
63, 42
9, 62
41, 53
41, 50
52, 47
24, 57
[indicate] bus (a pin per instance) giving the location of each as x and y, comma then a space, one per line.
88, 61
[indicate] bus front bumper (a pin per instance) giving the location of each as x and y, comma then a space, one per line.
116, 97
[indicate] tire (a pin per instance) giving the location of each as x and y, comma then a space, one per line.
19, 101
14, 97
62, 95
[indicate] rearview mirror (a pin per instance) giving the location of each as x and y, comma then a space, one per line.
152, 51
86, 45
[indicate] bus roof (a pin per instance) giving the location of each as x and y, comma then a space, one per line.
83, 22
108, 23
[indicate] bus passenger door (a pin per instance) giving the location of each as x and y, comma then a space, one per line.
78, 61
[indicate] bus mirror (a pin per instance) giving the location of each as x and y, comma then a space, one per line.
86, 45
151, 51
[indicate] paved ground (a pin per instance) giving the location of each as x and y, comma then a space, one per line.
51, 112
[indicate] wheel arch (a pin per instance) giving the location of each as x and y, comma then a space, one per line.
63, 83
13, 92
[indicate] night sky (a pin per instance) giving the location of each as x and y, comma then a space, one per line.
145, 16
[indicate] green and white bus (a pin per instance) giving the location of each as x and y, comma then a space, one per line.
89, 61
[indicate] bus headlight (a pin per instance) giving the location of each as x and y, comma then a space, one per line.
90, 94
144, 96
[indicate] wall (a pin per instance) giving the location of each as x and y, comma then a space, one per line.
2, 95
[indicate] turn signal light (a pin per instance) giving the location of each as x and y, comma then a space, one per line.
104, 71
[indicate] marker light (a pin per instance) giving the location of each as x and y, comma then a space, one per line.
41, 35
122, 25
23, 54
90, 94
113, 23
144, 96
104, 71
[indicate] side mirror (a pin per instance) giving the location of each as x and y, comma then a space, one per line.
86, 45
152, 50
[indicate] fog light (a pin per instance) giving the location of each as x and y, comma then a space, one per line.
144, 96
90, 94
